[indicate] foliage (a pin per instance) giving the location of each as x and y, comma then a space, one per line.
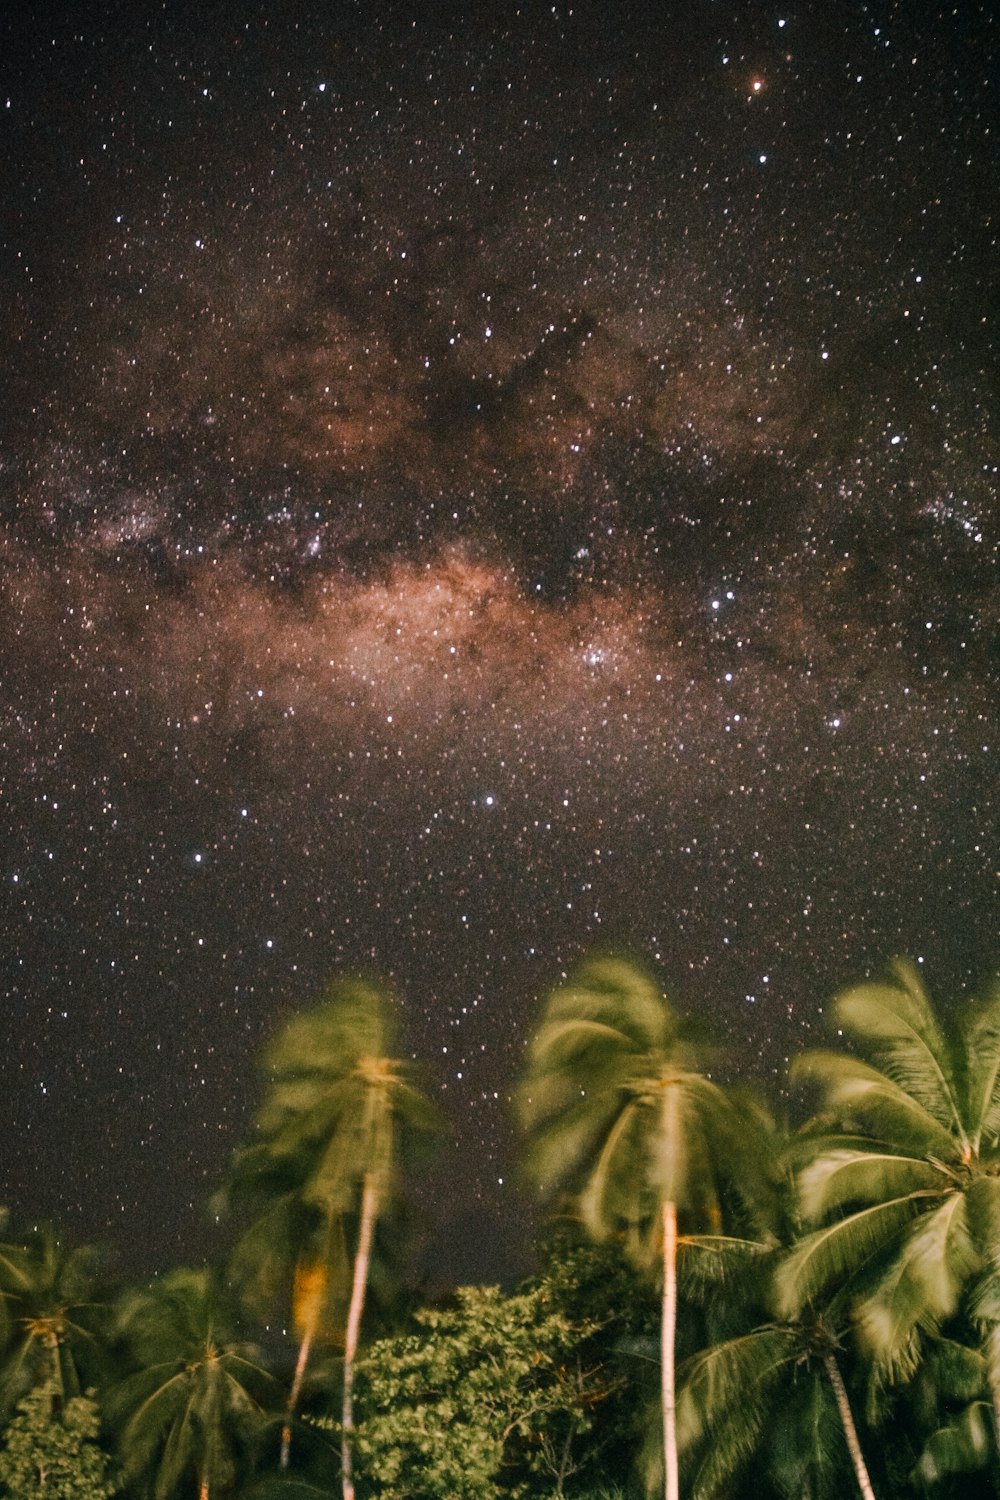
489, 1396
790, 1430
906, 1189
51, 1316
615, 1109
326, 1154
884, 1309
620, 1118
322, 1127
188, 1413
51, 1450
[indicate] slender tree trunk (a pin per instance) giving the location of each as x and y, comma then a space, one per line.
668, 1330
359, 1284
847, 1420
296, 1390
203, 1488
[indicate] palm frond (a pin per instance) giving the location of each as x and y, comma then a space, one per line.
568, 1140
923, 1288
841, 1176
962, 1447
721, 1376
613, 1188
854, 1090
897, 1020
706, 1261
957, 1371
615, 991
982, 1197
981, 1038
719, 1430
840, 1250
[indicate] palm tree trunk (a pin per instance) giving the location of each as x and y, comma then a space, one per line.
847, 1421
369, 1205
668, 1330
294, 1393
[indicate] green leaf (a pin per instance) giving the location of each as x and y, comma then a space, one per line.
981, 1035
840, 1250
854, 1090
841, 1176
936, 1262
898, 1020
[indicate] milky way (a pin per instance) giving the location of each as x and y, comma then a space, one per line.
473, 493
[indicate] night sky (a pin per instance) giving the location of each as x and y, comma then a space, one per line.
474, 490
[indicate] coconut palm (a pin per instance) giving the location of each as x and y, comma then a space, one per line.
190, 1410
799, 1423
328, 1136
799, 1430
292, 1243
619, 1117
50, 1316
905, 1187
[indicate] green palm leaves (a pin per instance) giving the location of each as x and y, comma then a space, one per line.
622, 1122
616, 1113
328, 1136
907, 1191
197, 1397
791, 1428
49, 1313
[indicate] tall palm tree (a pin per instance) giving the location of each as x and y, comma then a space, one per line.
328, 1136
198, 1395
50, 1317
619, 1116
902, 1170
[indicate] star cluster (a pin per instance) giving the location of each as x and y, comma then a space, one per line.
474, 491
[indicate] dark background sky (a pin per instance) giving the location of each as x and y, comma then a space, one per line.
474, 490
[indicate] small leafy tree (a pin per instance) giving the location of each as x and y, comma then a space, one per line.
54, 1454
487, 1397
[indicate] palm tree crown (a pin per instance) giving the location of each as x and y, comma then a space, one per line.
622, 1120
327, 1152
47, 1292
198, 1395
906, 1186
617, 1112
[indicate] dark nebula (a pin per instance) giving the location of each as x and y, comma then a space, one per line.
474, 490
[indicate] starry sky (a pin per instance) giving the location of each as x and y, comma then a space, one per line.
476, 489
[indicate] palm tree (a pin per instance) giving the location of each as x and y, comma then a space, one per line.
800, 1414
198, 1395
800, 1425
47, 1290
905, 1187
327, 1141
619, 1117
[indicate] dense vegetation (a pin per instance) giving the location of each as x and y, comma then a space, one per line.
725, 1307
